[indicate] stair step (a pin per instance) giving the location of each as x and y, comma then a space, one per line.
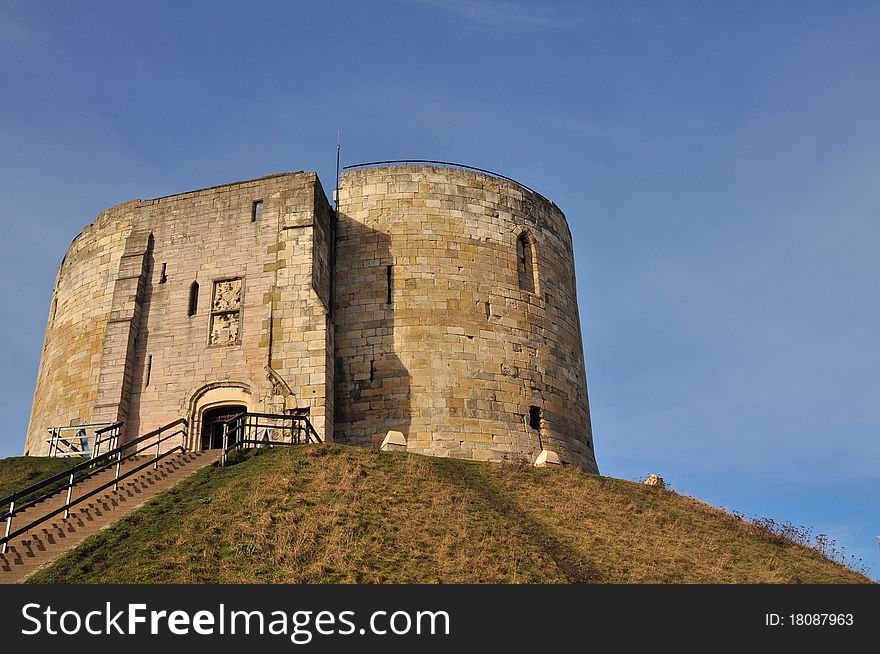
57, 535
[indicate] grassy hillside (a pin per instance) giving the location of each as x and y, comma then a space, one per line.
19, 472
341, 514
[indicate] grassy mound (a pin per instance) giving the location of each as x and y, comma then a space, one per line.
326, 514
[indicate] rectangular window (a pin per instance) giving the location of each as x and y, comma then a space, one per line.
226, 312
257, 211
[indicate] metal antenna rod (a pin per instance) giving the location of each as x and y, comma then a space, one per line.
336, 192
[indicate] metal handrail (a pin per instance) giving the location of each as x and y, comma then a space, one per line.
48, 481
66, 508
112, 435
238, 423
449, 164
86, 464
113, 457
56, 439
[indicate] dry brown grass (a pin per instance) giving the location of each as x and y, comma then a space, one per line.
325, 514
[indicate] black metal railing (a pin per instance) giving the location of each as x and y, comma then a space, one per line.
32, 495
107, 438
248, 430
447, 164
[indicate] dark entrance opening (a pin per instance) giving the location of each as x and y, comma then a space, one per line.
535, 418
212, 425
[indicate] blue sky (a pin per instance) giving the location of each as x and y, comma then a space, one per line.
718, 164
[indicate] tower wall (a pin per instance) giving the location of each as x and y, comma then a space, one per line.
79, 312
463, 356
121, 344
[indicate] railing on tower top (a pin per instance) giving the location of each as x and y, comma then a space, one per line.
149, 443
447, 164
266, 430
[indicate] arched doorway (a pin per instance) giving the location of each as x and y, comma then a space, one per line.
207, 406
212, 425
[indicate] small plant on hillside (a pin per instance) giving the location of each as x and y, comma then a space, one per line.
786, 532
519, 461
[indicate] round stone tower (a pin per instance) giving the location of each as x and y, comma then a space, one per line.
456, 318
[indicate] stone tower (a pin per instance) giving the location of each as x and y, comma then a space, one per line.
436, 301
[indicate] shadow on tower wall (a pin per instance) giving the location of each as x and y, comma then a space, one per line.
141, 362
372, 386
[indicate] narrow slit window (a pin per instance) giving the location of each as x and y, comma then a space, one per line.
149, 371
256, 211
389, 279
525, 254
162, 276
193, 306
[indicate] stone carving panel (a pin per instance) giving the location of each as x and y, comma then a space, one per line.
227, 296
224, 329
226, 312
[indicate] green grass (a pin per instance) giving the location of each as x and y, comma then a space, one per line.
19, 472
328, 514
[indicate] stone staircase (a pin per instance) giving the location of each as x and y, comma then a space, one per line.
52, 538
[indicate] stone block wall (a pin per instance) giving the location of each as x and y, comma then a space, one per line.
458, 353
70, 367
124, 344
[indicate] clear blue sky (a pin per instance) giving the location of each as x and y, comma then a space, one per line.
719, 164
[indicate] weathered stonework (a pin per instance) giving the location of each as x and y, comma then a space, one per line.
436, 302
466, 351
